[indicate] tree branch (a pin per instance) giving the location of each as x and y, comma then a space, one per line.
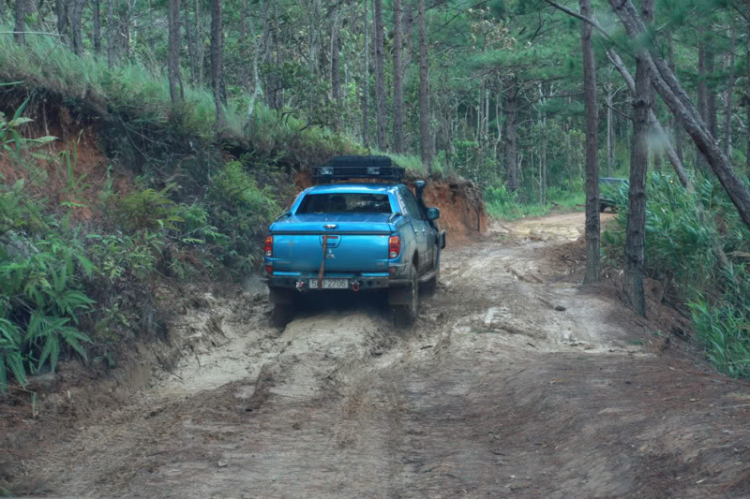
585, 19
626, 116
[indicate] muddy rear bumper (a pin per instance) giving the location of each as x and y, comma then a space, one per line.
358, 282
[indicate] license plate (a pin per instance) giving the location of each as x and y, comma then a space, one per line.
330, 283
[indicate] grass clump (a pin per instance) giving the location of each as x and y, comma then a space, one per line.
505, 205
128, 89
141, 99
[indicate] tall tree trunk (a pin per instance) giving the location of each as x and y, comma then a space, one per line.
634, 266
190, 36
407, 52
676, 126
380, 75
110, 34
174, 50
96, 15
511, 139
424, 89
656, 127
747, 92
610, 132
335, 68
217, 62
499, 138
200, 46
313, 36
678, 101
277, 94
366, 86
61, 10
20, 26
729, 96
243, 43
76, 15
592, 147
125, 26
398, 85
702, 88
260, 52
655, 151
711, 108
568, 154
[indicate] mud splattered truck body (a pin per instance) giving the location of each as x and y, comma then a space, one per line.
359, 229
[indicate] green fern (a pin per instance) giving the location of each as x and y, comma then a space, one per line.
10, 354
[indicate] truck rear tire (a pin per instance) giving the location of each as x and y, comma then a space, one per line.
284, 303
282, 314
430, 287
406, 308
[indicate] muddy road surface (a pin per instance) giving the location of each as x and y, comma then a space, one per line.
515, 382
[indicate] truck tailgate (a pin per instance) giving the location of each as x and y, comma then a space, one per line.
346, 252
357, 242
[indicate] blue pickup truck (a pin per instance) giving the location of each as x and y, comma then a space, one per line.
373, 234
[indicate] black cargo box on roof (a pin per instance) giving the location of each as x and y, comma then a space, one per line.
358, 167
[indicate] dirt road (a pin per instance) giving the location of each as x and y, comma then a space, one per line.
516, 382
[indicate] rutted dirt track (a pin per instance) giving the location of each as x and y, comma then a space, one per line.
516, 382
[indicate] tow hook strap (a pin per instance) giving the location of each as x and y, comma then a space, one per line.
322, 263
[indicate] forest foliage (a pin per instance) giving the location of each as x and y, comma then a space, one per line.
212, 106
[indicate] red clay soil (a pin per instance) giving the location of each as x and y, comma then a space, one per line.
50, 177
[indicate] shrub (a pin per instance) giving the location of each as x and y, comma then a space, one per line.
196, 228
241, 211
148, 210
680, 243
683, 246
723, 326
41, 299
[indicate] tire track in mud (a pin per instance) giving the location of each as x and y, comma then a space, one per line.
515, 382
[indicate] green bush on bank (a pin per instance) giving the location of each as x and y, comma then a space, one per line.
42, 298
241, 212
69, 286
682, 250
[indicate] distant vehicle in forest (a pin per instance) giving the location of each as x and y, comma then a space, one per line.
608, 187
372, 234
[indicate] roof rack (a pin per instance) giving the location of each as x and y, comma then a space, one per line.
358, 167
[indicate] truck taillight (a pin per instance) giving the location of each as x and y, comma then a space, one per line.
268, 249
394, 247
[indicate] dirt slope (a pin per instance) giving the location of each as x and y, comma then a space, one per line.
515, 382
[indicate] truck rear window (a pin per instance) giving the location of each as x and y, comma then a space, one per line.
345, 203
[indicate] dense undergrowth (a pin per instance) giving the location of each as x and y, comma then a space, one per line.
80, 267
86, 284
684, 247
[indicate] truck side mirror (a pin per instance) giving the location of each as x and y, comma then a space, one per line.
433, 213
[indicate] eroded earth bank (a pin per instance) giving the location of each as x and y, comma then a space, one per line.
515, 382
